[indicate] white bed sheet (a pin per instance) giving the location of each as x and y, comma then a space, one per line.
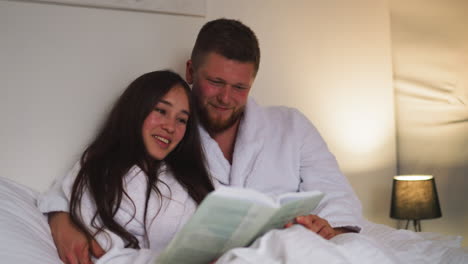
376, 244
24, 233
25, 238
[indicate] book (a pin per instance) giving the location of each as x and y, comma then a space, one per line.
232, 217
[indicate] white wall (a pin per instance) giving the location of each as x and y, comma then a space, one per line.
430, 51
62, 67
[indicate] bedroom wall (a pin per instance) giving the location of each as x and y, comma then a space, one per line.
62, 67
430, 51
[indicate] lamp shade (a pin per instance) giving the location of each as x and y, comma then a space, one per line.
414, 197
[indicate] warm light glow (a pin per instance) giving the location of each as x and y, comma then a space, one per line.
362, 137
362, 131
413, 177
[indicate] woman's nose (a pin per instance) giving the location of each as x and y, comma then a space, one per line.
169, 125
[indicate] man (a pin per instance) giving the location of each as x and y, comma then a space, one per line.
222, 69
274, 150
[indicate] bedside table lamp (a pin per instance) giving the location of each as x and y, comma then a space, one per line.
414, 197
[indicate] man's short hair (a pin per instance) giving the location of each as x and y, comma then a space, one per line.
229, 38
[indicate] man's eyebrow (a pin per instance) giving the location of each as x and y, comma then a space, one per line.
170, 104
217, 79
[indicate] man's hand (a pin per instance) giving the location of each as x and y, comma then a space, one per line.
73, 246
317, 225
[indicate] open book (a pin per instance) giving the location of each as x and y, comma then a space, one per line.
233, 217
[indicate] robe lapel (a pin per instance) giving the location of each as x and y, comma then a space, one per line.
218, 166
248, 152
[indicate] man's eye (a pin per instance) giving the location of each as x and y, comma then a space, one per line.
215, 82
239, 87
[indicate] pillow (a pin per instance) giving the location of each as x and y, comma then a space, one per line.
24, 233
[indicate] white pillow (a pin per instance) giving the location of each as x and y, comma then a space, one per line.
24, 233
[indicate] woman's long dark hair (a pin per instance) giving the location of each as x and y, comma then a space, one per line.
119, 146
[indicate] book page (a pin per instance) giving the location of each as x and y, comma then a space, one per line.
292, 207
219, 224
247, 195
289, 197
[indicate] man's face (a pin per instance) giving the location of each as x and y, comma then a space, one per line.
221, 87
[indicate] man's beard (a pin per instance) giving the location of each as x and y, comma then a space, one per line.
218, 125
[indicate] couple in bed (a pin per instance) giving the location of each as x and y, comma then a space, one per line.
151, 164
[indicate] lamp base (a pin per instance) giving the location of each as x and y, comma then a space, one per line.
416, 224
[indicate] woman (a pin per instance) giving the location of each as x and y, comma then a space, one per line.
143, 175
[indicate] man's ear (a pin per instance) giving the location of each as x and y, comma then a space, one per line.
189, 72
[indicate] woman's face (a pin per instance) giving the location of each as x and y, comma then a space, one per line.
165, 126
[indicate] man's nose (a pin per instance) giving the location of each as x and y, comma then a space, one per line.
224, 94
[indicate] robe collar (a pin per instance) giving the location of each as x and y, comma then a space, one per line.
247, 149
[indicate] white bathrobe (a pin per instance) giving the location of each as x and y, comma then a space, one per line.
165, 216
277, 150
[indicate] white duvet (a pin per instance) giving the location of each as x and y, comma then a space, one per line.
25, 238
376, 244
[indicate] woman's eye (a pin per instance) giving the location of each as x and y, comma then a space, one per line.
183, 121
159, 110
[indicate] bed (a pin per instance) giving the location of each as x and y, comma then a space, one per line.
25, 238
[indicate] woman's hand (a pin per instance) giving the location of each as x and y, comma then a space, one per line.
73, 246
317, 225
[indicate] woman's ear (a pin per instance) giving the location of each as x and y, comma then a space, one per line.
189, 72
